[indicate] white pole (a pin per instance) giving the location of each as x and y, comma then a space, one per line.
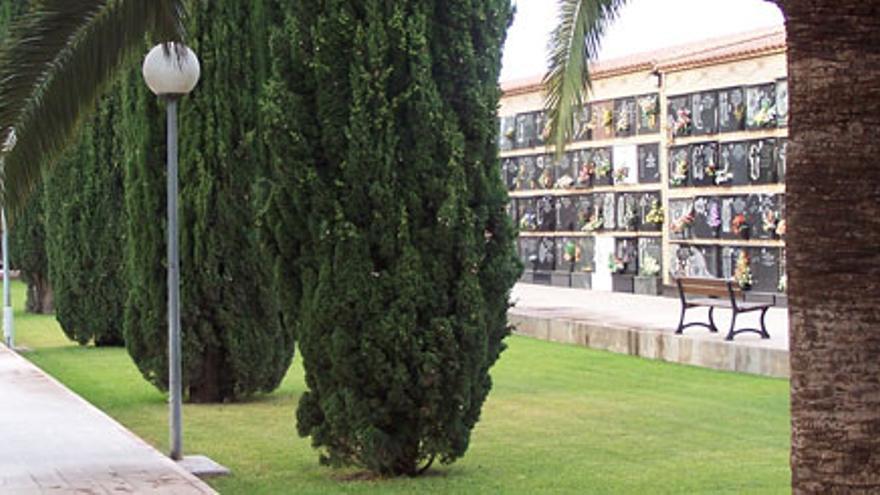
174, 372
8, 327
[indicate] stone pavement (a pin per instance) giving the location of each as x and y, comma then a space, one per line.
644, 326
53, 441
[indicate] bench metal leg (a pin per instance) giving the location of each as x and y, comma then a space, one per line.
681, 321
712, 327
731, 333
764, 334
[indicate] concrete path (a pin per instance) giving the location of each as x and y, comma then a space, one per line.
644, 326
53, 441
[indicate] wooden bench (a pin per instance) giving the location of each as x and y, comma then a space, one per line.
718, 294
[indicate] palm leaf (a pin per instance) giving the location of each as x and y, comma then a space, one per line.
56, 63
573, 44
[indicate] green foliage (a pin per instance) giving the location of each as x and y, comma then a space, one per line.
85, 231
393, 251
234, 343
27, 253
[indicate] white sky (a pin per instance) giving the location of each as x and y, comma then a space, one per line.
643, 25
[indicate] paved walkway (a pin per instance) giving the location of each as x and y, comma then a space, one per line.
645, 326
53, 441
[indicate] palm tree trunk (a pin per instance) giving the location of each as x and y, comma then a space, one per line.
833, 187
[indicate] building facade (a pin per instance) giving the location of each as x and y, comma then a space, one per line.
677, 168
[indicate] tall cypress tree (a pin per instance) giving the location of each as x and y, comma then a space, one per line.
387, 219
85, 231
233, 341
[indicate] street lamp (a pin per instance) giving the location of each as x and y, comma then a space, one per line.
171, 70
8, 325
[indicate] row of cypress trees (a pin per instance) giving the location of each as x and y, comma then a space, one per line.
340, 186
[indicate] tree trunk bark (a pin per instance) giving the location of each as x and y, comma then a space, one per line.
39, 295
833, 185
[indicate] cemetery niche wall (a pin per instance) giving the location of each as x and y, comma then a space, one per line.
685, 180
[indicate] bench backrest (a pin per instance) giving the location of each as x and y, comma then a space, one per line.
712, 287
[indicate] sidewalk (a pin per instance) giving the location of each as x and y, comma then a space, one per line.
53, 441
645, 326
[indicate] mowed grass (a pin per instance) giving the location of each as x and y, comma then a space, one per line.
560, 419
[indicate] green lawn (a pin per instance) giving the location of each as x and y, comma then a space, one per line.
561, 419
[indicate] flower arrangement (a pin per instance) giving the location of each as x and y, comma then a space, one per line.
603, 168
607, 119
529, 221
739, 226
616, 264
650, 267
770, 221
623, 120
571, 252
713, 219
546, 180
743, 274
722, 176
783, 283
766, 115
593, 224
564, 182
648, 107
585, 173
621, 174
682, 223
509, 133
630, 217
680, 171
780, 228
683, 124
655, 214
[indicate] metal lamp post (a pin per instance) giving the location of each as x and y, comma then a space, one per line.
171, 70
8, 324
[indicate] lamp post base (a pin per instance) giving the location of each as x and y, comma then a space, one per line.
203, 467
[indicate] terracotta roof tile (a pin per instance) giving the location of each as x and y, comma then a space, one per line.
709, 51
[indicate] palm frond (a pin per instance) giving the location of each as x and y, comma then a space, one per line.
573, 44
55, 64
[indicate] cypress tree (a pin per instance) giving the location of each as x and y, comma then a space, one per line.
233, 341
387, 219
85, 231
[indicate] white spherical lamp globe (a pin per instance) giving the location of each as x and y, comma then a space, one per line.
171, 69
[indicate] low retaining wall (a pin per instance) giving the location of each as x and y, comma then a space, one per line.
653, 344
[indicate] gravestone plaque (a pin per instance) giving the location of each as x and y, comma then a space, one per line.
648, 202
729, 255
707, 217
764, 215
609, 211
546, 209
583, 124
510, 172
541, 128
587, 213
565, 172
731, 110
648, 107
528, 251
679, 117
546, 254
704, 109
527, 214
506, 132
602, 272
650, 251
581, 162
735, 223
603, 120
764, 263
734, 164
679, 166
694, 261
762, 169
545, 169
628, 211
627, 250
525, 130
527, 174
625, 164
572, 254
782, 102
781, 152
603, 170
567, 213
681, 218
624, 117
761, 106
704, 164
649, 163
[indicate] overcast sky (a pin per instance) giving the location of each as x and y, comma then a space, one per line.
643, 25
